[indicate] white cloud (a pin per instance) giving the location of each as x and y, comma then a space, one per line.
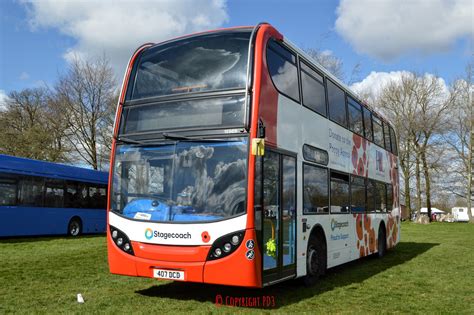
3, 99
117, 28
372, 85
387, 29
24, 76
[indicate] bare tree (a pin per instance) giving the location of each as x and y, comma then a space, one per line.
29, 128
87, 93
461, 135
417, 105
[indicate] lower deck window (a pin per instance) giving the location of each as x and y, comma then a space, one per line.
358, 203
315, 189
339, 193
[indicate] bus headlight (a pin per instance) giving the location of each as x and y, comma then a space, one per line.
121, 240
235, 240
225, 245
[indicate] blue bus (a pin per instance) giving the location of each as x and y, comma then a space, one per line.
43, 198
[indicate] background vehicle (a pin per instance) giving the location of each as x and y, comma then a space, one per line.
42, 198
460, 214
240, 161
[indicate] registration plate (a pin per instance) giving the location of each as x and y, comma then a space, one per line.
169, 274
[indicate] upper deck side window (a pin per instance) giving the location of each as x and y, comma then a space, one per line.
386, 132
356, 122
368, 124
281, 64
378, 131
393, 139
337, 104
312, 85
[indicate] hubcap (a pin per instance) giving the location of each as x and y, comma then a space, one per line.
74, 229
312, 261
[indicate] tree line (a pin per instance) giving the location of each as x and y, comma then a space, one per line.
434, 124
68, 122
72, 122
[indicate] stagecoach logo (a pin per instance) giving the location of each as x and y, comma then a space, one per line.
149, 234
338, 225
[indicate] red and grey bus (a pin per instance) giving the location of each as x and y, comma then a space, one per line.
238, 160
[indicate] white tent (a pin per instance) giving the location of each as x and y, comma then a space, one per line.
433, 210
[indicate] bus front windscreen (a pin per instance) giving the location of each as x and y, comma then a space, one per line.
210, 62
181, 182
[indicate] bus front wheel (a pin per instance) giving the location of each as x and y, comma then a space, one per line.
315, 261
74, 227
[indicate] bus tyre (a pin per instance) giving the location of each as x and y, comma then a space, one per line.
381, 243
315, 261
74, 227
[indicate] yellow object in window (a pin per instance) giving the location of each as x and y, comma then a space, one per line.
258, 146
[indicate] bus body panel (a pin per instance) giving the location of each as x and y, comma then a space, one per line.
176, 233
31, 221
297, 125
236, 269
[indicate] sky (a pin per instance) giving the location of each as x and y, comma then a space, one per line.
38, 38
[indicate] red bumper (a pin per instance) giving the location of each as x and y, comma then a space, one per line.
235, 269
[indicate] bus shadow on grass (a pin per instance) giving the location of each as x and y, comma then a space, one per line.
293, 291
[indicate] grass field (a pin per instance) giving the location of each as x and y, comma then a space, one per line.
431, 270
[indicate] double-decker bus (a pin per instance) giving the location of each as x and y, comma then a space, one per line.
43, 198
238, 160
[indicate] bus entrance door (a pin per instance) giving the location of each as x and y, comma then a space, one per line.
278, 241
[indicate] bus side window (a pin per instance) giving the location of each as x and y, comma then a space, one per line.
102, 202
315, 189
386, 132
371, 195
82, 196
356, 123
337, 104
368, 124
389, 197
358, 202
394, 141
378, 131
54, 193
282, 67
339, 193
8, 189
380, 197
97, 197
70, 196
312, 85
31, 191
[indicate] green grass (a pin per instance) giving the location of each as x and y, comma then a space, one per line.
430, 271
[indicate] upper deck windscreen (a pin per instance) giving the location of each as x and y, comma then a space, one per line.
208, 62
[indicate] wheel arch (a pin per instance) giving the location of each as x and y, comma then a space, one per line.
318, 231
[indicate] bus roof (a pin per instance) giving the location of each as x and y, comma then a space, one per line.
17, 165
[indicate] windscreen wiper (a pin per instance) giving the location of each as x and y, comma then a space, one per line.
128, 140
143, 143
173, 136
